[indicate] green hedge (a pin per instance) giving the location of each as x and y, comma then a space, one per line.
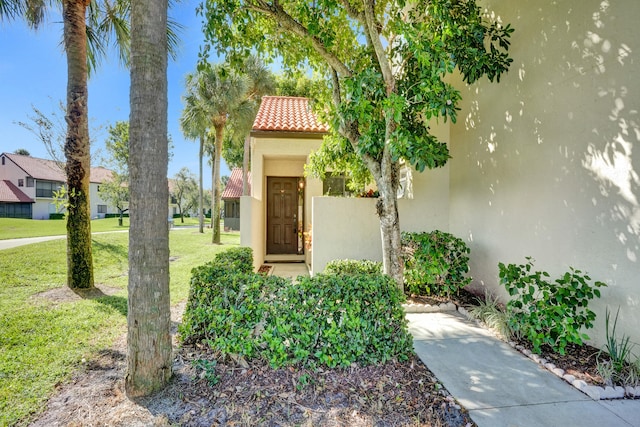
116, 215
350, 266
329, 320
56, 216
337, 320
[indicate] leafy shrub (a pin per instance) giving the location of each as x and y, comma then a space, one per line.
435, 263
350, 266
331, 320
56, 216
546, 312
212, 284
226, 309
239, 259
336, 320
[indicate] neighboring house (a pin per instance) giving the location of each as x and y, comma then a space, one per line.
231, 197
543, 164
29, 183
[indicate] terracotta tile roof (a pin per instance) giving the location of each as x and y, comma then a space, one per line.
287, 113
9, 193
50, 171
233, 190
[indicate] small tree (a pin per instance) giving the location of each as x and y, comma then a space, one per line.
116, 190
22, 152
386, 63
184, 188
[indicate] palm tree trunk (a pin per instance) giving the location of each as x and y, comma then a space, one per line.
215, 215
76, 148
200, 189
148, 318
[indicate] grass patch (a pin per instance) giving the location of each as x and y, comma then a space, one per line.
43, 342
13, 228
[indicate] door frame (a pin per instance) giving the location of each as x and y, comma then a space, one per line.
299, 217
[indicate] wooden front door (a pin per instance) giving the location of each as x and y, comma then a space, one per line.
282, 221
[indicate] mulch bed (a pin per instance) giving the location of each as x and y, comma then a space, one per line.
394, 394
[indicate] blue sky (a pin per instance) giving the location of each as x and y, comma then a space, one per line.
33, 72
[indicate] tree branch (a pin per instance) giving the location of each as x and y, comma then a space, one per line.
373, 37
288, 23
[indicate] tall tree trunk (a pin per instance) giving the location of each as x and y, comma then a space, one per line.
245, 166
148, 318
213, 183
387, 209
215, 214
76, 148
200, 189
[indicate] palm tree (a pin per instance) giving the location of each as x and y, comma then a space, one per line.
194, 123
262, 82
89, 29
221, 91
148, 318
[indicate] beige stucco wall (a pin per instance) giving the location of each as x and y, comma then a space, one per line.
251, 234
349, 228
544, 163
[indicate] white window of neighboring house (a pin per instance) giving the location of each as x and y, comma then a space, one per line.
21, 183
102, 209
405, 187
46, 188
29, 181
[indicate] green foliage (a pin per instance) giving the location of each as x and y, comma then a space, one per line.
337, 320
546, 312
43, 342
330, 320
224, 302
238, 259
374, 107
350, 266
115, 215
620, 369
207, 370
435, 263
56, 216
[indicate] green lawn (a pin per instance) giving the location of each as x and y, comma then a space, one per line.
12, 228
43, 341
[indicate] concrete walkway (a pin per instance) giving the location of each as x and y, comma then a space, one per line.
501, 387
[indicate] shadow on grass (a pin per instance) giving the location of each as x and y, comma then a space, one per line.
120, 251
115, 302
